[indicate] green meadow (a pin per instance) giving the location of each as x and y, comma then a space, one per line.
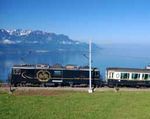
75, 105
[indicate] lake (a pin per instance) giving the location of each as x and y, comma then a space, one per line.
112, 55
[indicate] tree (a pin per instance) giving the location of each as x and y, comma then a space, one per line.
1, 81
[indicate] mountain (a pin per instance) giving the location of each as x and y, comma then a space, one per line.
39, 47
21, 41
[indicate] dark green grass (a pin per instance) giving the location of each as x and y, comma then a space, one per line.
77, 105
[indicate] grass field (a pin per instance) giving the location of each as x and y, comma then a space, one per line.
75, 105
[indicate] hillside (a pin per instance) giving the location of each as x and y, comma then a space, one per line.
21, 41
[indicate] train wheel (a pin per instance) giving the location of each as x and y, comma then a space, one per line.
71, 84
110, 85
15, 85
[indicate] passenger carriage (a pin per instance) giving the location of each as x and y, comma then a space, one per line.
129, 77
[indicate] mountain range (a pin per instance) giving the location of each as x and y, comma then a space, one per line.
38, 47
21, 41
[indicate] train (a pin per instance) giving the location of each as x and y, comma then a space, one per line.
56, 75
72, 75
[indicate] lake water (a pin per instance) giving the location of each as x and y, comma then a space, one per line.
119, 55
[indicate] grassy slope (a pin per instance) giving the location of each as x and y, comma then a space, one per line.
77, 105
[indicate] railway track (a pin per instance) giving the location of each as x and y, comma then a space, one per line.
75, 89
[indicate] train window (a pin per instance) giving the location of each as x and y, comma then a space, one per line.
57, 73
135, 76
96, 73
146, 76
124, 75
16, 71
111, 75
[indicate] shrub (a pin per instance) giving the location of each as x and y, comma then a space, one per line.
1, 81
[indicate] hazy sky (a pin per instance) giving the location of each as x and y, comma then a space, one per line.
103, 21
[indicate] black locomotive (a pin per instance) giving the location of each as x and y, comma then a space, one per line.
57, 75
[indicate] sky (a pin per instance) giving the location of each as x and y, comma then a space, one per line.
102, 21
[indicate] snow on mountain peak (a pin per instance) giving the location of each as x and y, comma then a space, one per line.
25, 32
19, 32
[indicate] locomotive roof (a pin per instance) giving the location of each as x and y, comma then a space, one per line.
51, 67
129, 69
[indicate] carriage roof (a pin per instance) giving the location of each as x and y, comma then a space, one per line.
138, 70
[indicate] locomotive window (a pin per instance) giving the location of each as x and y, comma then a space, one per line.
16, 71
96, 73
124, 75
57, 73
135, 76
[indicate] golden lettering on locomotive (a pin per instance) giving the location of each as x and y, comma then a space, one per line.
43, 75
